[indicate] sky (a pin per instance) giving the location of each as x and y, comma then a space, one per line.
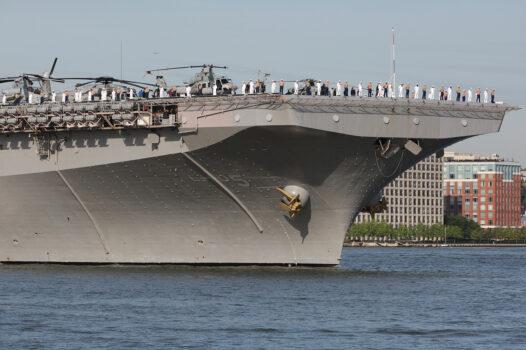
472, 43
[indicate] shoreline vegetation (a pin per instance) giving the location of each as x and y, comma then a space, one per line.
456, 231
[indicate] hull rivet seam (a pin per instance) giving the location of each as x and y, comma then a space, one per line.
227, 191
92, 219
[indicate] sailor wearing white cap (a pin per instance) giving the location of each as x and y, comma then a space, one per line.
296, 87
244, 88
338, 88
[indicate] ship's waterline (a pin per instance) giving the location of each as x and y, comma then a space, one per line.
205, 192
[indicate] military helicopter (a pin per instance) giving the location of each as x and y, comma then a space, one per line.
101, 87
307, 87
202, 83
23, 86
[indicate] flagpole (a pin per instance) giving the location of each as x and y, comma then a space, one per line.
394, 66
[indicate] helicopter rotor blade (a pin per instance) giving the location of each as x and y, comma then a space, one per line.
170, 68
131, 82
68, 78
82, 84
38, 76
53, 66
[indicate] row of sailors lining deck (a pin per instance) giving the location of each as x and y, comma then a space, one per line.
307, 87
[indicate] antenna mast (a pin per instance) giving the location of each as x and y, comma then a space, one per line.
393, 68
121, 59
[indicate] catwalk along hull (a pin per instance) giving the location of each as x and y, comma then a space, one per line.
205, 193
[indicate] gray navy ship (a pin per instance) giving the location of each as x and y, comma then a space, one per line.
208, 179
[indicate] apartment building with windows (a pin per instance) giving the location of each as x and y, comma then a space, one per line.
415, 197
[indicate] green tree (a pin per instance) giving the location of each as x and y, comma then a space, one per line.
470, 229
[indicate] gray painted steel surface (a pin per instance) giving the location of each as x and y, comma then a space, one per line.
131, 196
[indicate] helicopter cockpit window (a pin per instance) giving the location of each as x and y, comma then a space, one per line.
224, 81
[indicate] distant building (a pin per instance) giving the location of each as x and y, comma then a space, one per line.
451, 156
523, 177
483, 189
414, 197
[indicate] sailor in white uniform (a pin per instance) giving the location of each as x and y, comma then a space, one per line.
449, 93
104, 95
273, 87
244, 88
296, 87
131, 94
30, 98
4, 99
360, 89
161, 92
113, 95
89, 96
390, 92
64, 97
470, 95
401, 91
251, 87
486, 96
416, 89
54, 97
80, 96
188, 91
338, 88
318, 88
214, 90
432, 93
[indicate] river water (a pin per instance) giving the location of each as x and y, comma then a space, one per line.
390, 298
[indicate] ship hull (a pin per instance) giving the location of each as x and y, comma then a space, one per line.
217, 206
